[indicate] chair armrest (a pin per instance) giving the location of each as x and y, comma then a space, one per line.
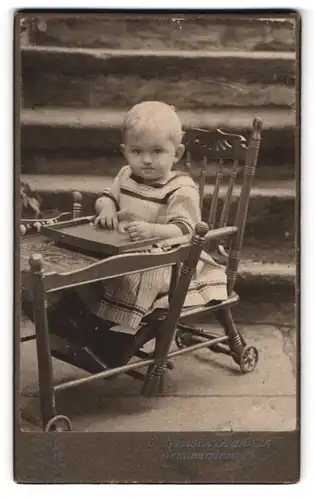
219, 234
183, 239
213, 234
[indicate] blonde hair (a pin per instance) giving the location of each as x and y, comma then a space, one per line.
152, 115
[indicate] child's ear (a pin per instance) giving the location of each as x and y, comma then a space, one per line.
179, 152
122, 148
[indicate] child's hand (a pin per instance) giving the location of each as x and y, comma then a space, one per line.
126, 215
140, 230
107, 218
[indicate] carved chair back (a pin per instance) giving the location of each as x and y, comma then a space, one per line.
230, 158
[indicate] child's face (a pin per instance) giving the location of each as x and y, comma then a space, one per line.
151, 155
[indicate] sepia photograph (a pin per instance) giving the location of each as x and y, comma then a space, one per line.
157, 243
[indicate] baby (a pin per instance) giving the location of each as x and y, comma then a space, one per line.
151, 199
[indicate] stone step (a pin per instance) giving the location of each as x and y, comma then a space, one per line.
67, 162
231, 65
99, 129
100, 90
271, 215
168, 31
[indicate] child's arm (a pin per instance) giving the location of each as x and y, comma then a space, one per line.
107, 206
183, 208
140, 230
104, 202
182, 214
106, 213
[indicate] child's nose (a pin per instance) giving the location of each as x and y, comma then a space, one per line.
147, 159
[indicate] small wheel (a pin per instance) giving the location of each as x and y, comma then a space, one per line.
59, 423
178, 340
248, 359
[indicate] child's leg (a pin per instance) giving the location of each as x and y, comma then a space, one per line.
127, 300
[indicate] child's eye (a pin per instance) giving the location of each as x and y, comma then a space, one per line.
136, 151
158, 151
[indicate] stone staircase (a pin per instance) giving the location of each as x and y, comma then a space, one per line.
81, 74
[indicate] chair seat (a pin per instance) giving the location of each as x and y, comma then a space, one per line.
160, 314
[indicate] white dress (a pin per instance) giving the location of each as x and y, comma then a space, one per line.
128, 299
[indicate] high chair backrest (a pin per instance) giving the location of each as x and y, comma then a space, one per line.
226, 155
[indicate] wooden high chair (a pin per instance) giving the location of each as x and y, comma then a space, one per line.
230, 155
218, 236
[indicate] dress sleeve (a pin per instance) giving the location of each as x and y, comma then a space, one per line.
183, 208
113, 193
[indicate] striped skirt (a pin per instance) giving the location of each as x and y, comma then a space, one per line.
128, 299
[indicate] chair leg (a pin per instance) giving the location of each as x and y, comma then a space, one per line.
154, 380
50, 420
245, 356
236, 341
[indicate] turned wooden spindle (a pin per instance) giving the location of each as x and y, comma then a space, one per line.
188, 162
45, 372
36, 262
214, 201
243, 205
154, 377
253, 148
228, 198
202, 182
77, 204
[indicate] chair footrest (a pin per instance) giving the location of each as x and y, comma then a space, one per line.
106, 349
77, 356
